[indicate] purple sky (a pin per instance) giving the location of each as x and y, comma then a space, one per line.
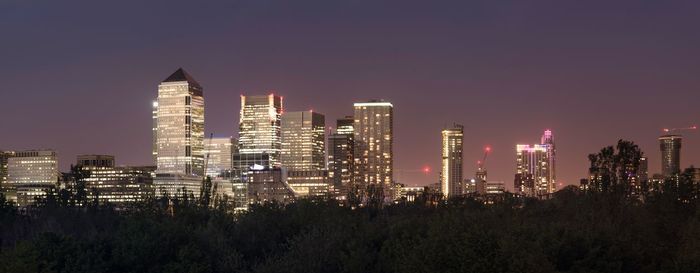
79, 76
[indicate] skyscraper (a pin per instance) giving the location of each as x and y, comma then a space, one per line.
218, 152
303, 141
340, 155
260, 138
535, 167
154, 117
670, 155
452, 161
373, 140
180, 134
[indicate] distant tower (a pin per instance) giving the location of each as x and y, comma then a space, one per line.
452, 161
260, 135
373, 140
535, 167
303, 141
340, 154
154, 116
180, 135
547, 139
670, 155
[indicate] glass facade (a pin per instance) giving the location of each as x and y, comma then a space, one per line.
303, 143
219, 154
259, 140
180, 134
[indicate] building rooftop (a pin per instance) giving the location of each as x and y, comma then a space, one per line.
180, 75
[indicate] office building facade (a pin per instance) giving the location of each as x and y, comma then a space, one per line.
373, 144
30, 174
180, 135
452, 161
108, 183
535, 167
670, 155
218, 153
260, 133
303, 141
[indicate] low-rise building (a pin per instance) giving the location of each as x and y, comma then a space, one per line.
30, 175
310, 184
116, 185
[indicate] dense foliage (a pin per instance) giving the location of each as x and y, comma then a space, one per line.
572, 232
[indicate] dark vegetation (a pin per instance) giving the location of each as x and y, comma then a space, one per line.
573, 231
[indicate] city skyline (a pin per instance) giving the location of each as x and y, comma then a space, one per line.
572, 84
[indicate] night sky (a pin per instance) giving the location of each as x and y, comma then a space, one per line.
79, 76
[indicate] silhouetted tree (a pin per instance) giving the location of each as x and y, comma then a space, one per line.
616, 169
205, 192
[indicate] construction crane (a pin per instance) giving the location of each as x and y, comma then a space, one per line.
481, 163
206, 158
666, 130
205, 189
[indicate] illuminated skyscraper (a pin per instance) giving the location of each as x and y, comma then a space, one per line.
220, 152
340, 154
452, 161
154, 117
303, 143
535, 172
260, 138
30, 174
374, 137
180, 135
670, 155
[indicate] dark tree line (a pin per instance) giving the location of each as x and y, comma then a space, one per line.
573, 231
616, 170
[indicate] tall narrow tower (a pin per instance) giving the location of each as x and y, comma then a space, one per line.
670, 155
452, 161
340, 154
154, 122
535, 167
180, 134
374, 138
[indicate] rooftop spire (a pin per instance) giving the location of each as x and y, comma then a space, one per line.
181, 76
